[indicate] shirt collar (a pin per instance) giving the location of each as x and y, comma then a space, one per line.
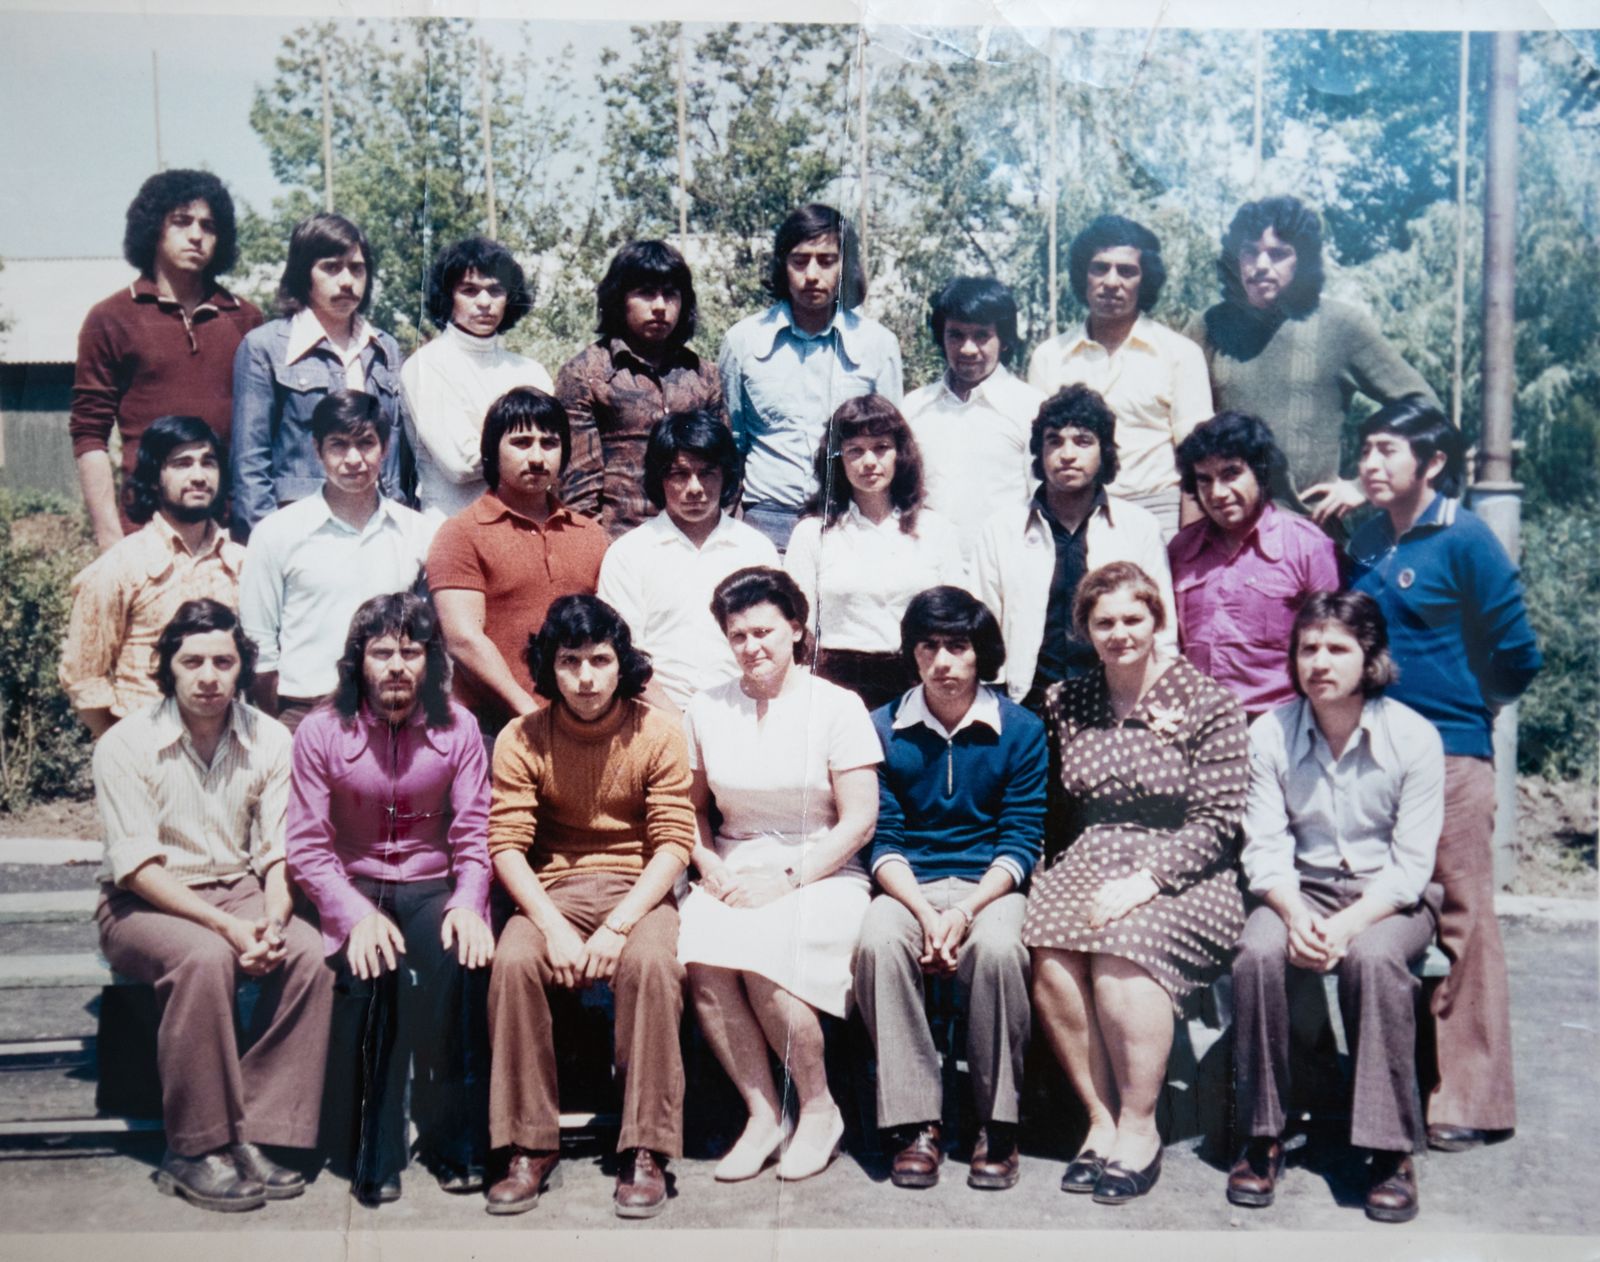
306, 334
1266, 535
985, 709
360, 734
1141, 332
847, 324
619, 354
1038, 507
1305, 736
143, 289
470, 343
490, 508
168, 727
666, 531
168, 544
984, 392
862, 522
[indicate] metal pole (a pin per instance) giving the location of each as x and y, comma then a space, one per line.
1461, 236
683, 141
1052, 188
488, 137
1255, 135
1495, 496
155, 94
327, 132
861, 42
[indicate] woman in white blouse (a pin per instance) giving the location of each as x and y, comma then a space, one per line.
769, 931
476, 293
867, 547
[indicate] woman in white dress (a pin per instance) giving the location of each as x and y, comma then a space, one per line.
867, 547
769, 930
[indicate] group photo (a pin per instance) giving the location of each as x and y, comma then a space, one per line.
770, 627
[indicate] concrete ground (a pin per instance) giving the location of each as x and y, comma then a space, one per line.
1544, 1183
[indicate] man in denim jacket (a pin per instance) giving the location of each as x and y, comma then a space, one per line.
282, 370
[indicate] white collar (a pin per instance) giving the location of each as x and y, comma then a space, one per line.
306, 334
985, 709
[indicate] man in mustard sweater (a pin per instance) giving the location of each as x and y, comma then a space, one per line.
589, 826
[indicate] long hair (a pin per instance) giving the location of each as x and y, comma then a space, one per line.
1236, 436
404, 616
1426, 430
1362, 618
163, 193
952, 611
1107, 233
197, 617
1295, 224
487, 258
1077, 407
695, 434
817, 220
644, 265
321, 236
869, 415
977, 300
525, 407
141, 493
577, 620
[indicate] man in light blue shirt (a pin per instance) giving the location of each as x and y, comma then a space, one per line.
785, 371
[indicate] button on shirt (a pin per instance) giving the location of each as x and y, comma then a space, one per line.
661, 584
204, 822
407, 803
975, 457
1156, 383
783, 385
1374, 812
1235, 612
306, 572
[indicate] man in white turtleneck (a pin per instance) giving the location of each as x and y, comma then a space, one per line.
476, 292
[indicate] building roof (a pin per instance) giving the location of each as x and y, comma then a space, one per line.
43, 302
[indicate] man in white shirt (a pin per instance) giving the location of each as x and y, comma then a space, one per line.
660, 575
972, 424
476, 293
310, 566
1155, 380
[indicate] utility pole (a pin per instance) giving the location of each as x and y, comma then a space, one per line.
155, 94
1052, 190
1496, 496
488, 137
861, 43
327, 131
1457, 349
1260, 95
683, 143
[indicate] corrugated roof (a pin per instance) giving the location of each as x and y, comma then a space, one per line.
44, 302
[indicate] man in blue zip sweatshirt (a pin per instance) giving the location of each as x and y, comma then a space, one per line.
961, 794
1459, 632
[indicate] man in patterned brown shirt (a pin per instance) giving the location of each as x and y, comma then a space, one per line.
639, 370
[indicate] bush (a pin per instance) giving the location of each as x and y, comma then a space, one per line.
44, 750
1560, 716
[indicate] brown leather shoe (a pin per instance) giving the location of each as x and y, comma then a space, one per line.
996, 1163
1445, 1138
1392, 1192
641, 1185
527, 1176
281, 1183
1253, 1181
209, 1181
916, 1165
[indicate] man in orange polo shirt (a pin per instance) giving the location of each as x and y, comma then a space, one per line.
496, 566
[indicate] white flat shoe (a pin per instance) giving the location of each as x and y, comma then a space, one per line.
811, 1149
749, 1155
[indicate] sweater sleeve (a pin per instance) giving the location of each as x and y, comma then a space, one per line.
1020, 828
669, 824
1376, 368
96, 385
888, 841
514, 802
1502, 649
1218, 779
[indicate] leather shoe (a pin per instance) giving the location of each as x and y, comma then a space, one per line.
1392, 1192
641, 1185
281, 1183
917, 1163
1446, 1138
1118, 1185
456, 1179
1083, 1172
1253, 1181
209, 1181
996, 1163
528, 1175
375, 1192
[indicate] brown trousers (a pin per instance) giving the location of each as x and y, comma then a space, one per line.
211, 1095
1473, 1005
1377, 999
648, 993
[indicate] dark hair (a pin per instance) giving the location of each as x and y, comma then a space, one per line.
576, 620
977, 300
644, 265
321, 236
1413, 418
952, 611
141, 493
817, 220
1107, 233
1359, 615
694, 434
1077, 407
402, 615
197, 617
1296, 224
1113, 577
764, 585
158, 197
349, 412
487, 258
1234, 436
867, 414
525, 407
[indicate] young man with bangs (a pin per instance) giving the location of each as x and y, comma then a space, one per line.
477, 293
639, 370
164, 346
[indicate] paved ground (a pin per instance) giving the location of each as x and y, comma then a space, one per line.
1544, 1183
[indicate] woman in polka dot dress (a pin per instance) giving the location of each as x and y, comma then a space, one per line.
1142, 907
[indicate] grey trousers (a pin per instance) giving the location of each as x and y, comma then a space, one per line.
1377, 997
992, 976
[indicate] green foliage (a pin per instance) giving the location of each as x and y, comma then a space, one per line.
44, 750
1557, 720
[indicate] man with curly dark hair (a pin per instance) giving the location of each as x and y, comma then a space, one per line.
163, 345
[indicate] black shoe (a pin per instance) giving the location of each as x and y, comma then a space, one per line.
1083, 1172
375, 1192
1119, 1185
456, 1178
209, 1181
281, 1183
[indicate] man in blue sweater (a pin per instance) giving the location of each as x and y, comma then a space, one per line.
961, 793
1460, 635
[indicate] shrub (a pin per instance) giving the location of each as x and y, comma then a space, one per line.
1559, 718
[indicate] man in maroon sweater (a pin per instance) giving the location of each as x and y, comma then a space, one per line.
164, 345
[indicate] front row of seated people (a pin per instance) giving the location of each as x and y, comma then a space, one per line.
601, 801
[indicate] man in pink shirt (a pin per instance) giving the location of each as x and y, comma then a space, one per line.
1241, 573
387, 835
